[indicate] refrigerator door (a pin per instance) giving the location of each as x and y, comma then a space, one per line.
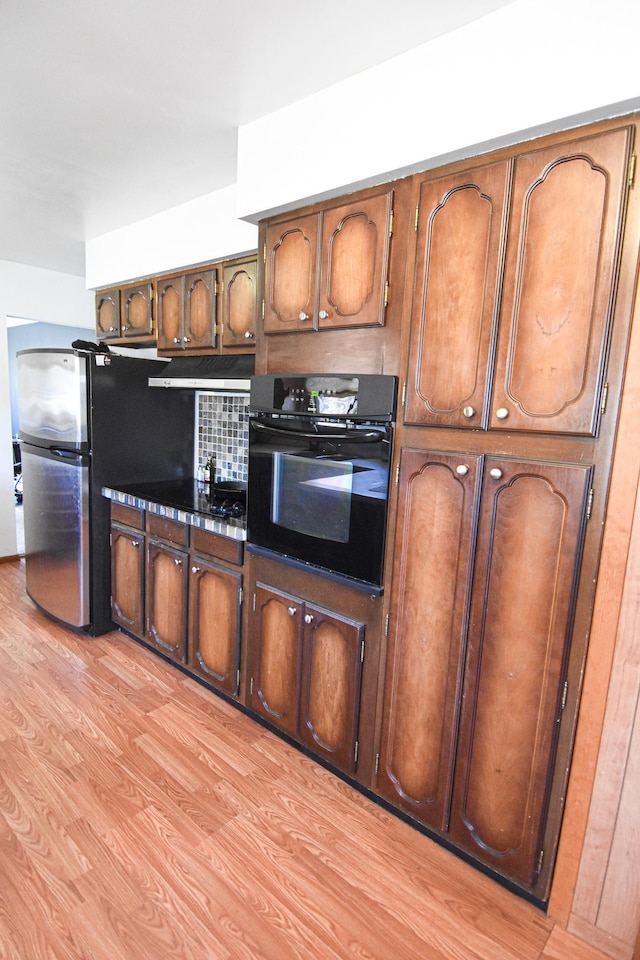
56, 487
52, 398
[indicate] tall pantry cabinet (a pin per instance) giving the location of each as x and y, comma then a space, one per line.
503, 451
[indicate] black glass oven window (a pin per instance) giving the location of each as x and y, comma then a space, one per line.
312, 497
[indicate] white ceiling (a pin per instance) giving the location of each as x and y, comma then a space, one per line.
114, 110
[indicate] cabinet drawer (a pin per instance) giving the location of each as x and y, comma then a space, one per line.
214, 545
166, 529
130, 516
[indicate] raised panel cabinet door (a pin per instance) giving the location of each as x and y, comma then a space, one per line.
528, 554
277, 662
355, 260
567, 216
107, 314
166, 584
239, 306
127, 579
214, 624
330, 690
437, 508
459, 247
170, 313
291, 252
137, 311
200, 310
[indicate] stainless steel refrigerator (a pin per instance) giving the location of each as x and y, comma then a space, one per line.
87, 420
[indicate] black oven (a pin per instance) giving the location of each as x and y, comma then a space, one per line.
319, 458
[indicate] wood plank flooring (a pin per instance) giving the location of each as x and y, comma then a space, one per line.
143, 818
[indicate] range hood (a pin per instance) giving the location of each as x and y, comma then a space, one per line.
206, 373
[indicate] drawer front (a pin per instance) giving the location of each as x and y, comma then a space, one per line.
215, 545
130, 516
172, 530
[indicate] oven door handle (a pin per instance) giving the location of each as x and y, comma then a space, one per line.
352, 436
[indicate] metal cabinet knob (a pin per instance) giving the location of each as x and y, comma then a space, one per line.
195, 569
135, 543
186, 340
112, 329
496, 473
176, 339
323, 314
469, 412
249, 335
308, 618
502, 413
462, 470
292, 611
177, 561
303, 316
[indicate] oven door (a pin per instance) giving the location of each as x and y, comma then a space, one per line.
318, 493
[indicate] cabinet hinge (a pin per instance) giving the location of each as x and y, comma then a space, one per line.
404, 394
386, 293
362, 652
216, 289
238, 678
263, 309
221, 287
565, 691
254, 603
377, 763
397, 473
589, 503
417, 217
603, 398
632, 170
391, 223
355, 752
386, 625
240, 596
264, 252
251, 686
539, 863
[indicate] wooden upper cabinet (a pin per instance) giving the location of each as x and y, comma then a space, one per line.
329, 269
170, 308
137, 311
528, 552
437, 500
514, 290
200, 303
560, 280
458, 266
108, 314
238, 306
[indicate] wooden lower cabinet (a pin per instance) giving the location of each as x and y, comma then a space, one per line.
127, 578
307, 673
485, 578
215, 597
167, 591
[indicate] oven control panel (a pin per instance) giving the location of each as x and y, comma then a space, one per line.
365, 396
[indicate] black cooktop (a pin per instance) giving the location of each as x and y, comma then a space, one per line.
227, 499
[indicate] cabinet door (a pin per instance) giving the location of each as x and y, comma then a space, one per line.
277, 661
214, 624
170, 300
458, 268
290, 275
437, 506
137, 311
239, 306
567, 215
108, 314
330, 692
527, 559
200, 310
167, 599
127, 579
355, 262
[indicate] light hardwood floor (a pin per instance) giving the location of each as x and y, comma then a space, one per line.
143, 818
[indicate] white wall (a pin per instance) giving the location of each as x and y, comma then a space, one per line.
524, 68
204, 229
37, 295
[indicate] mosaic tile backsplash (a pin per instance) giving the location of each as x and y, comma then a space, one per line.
223, 433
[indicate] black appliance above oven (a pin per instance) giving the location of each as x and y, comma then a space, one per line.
320, 450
